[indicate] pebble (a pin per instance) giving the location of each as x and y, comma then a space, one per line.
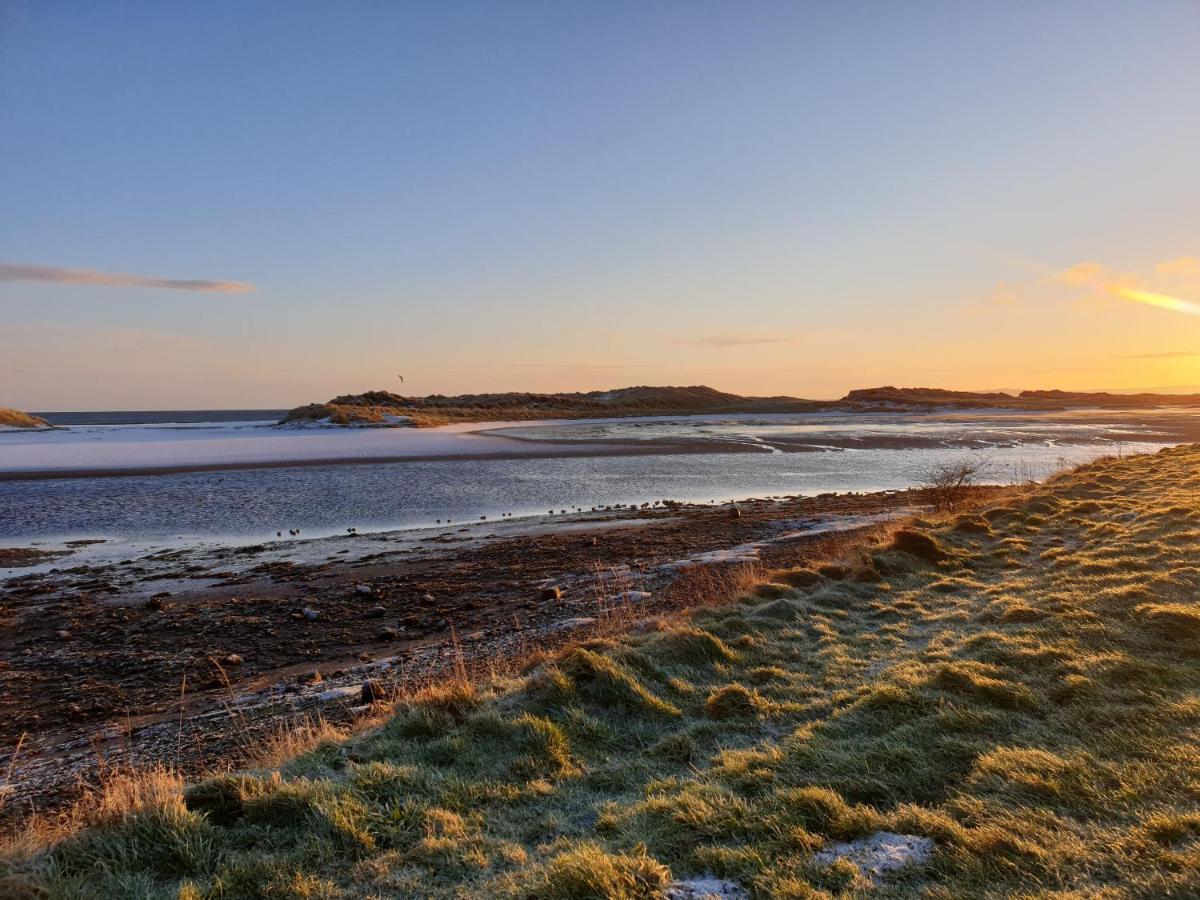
388, 633
311, 614
362, 589
233, 659
375, 612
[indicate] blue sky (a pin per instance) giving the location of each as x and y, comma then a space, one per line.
773, 198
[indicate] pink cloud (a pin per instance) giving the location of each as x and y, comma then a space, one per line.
54, 275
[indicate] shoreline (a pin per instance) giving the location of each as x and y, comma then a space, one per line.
177, 656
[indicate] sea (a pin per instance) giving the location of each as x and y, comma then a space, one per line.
162, 416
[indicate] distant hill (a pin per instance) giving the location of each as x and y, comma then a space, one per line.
894, 396
14, 418
384, 408
889, 396
1103, 398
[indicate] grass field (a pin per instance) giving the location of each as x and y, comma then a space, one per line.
1018, 684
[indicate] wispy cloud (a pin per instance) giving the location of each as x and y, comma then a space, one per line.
1005, 294
1169, 354
1185, 266
1104, 280
55, 275
723, 341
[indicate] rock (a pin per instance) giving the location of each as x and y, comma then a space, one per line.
311, 614
387, 633
375, 612
63, 635
154, 604
233, 659
550, 593
428, 598
373, 692
880, 854
362, 589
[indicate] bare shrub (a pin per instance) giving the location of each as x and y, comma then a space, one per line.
949, 484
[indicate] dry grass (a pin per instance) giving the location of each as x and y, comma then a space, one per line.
1023, 690
14, 418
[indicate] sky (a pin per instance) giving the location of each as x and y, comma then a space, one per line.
231, 205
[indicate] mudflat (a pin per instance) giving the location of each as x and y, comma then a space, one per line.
187, 656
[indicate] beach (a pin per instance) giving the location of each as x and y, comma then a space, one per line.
187, 656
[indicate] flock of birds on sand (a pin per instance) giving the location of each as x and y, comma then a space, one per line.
666, 504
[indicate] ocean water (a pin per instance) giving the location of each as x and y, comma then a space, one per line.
162, 416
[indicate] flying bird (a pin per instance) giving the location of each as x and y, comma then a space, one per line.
401, 377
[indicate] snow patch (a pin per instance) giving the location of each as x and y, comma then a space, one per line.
742, 553
630, 597
338, 693
880, 854
705, 887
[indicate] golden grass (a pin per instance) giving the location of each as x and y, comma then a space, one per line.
14, 418
1023, 690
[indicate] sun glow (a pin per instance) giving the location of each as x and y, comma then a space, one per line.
1163, 301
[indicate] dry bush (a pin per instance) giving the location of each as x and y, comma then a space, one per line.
949, 485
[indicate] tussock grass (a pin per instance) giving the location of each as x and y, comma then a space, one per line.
1019, 685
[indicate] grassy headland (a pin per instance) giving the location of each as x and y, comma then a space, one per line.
1019, 684
376, 408
14, 418
373, 407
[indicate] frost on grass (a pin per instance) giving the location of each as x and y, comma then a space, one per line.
1021, 695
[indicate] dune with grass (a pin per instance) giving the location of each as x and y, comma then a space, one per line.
384, 408
1001, 701
15, 419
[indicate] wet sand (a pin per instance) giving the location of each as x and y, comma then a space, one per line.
533, 450
90, 452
